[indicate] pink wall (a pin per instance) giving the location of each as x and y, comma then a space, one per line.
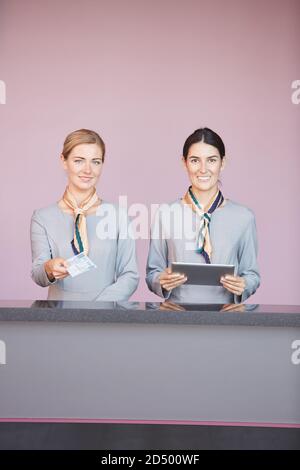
145, 74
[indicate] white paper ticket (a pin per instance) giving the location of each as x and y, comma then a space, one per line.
79, 264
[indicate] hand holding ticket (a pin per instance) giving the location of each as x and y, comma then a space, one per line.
79, 264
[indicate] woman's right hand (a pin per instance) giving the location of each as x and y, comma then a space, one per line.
56, 268
169, 281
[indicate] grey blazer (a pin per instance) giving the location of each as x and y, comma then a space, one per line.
116, 276
233, 237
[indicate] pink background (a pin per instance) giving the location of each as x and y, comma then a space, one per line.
145, 74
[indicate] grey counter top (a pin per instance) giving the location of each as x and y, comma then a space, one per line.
150, 313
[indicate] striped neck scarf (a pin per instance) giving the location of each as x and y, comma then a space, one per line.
80, 241
203, 240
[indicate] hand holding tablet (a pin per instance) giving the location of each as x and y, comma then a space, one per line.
169, 280
203, 274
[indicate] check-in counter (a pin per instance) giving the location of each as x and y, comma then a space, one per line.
208, 375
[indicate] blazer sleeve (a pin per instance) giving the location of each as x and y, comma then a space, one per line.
40, 251
127, 277
247, 261
157, 260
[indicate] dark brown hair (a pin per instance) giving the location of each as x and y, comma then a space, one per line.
206, 135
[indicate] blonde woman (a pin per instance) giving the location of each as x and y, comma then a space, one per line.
71, 226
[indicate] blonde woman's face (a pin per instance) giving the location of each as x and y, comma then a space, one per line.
83, 166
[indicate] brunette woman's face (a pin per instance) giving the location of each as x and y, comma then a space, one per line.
83, 166
203, 165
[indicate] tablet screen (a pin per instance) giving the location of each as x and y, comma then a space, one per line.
203, 274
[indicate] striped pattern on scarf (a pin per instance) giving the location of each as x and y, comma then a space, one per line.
204, 246
80, 241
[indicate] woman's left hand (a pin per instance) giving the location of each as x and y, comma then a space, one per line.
234, 284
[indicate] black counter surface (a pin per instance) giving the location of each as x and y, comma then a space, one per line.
150, 313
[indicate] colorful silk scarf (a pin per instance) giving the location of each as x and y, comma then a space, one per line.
203, 240
80, 241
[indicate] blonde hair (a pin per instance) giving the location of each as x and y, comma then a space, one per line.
82, 136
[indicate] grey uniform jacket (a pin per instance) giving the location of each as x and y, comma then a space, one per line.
116, 276
233, 238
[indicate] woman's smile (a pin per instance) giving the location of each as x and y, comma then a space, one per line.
203, 178
86, 179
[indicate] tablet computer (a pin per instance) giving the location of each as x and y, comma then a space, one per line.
201, 274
